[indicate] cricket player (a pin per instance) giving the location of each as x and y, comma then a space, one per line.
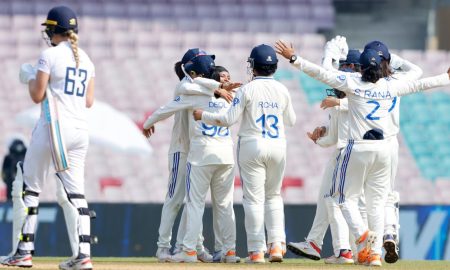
178, 150
69, 74
367, 155
396, 68
328, 212
265, 106
210, 163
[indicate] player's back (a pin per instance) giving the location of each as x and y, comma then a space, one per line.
68, 83
210, 144
267, 103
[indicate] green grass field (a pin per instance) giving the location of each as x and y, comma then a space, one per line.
151, 263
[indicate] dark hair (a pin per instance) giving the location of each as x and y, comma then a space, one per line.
179, 70
265, 70
372, 74
386, 68
216, 73
355, 68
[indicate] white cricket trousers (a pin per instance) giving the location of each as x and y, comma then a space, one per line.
365, 168
37, 165
328, 212
391, 214
173, 203
261, 166
220, 178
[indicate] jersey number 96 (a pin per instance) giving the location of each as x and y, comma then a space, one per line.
75, 81
215, 131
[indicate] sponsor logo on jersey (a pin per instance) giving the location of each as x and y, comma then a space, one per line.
178, 98
268, 105
219, 105
375, 94
341, 78
236, 101
42, 62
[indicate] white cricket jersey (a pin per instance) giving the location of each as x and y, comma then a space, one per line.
337, 130
209, 144
180, 136
266, 107
68, 83
370, 104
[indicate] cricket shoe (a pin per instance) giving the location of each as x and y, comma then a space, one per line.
82, 262
204, 256
373, 260
276, 252
17, 260
364, 246
390, 245
306, 249
163, 254
217, 256
230, 257
255, 257
184, 257
345, 257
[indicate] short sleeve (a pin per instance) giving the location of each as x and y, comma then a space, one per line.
44, 62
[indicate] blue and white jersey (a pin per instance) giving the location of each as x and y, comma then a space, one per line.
209, 144
180, 136
68, 83
265, 106
370, 104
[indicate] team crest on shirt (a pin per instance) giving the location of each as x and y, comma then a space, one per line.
42, 62
236, 101
178, 98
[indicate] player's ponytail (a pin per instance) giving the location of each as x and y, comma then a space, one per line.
73, 38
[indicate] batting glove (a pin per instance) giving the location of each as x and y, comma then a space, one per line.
27, 73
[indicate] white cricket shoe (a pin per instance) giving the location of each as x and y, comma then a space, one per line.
230, 257
17, 260
364, 246
391, 247
204, 256
79, 263
184, 257
255, 257
163, 254
217, 256
345, 257
306, 249
276, 252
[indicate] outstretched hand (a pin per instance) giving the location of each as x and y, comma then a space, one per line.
283, 49
148, 132
224, 94
230, 86
197, 114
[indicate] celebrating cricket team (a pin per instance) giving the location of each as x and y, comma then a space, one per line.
357, 197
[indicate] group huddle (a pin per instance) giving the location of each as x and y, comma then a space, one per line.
357, 197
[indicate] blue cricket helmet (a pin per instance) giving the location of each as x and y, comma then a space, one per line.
192, 53
370, 58
202, 65
381, 49
60, 19
263, 55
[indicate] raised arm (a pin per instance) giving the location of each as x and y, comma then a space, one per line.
405, 87
199, 86
231, 116
405, 69
331, 135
